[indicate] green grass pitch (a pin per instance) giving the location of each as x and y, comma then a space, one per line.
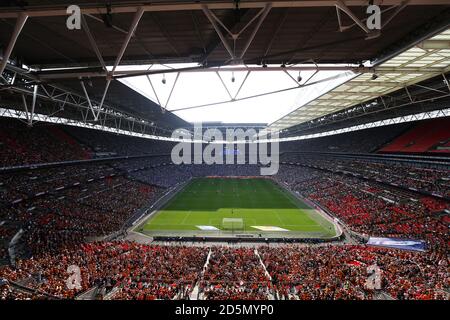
259, 202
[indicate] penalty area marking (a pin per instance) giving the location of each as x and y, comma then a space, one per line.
269, 228
207, 228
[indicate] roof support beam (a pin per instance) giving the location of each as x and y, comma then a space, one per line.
213, 21
398, 7
21, 19
165, 34
279, 24
135, 73
171, 91
25, 107
197, 31
342, 6
371, 34
134, 24
30, 114
396, 12
61, 97
242, 84
93, 42
132, 29
102, 125
89, 101
404, 70
153, 88
224, 85
137, 39
261, 15
434, 44
335, 77
446, 81
33, 105
264, 12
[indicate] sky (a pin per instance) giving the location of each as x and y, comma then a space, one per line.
194, 89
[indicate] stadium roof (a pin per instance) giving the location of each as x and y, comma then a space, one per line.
179, 31
207, 33
240, 94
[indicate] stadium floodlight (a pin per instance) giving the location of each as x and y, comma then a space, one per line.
299, 78
164, 79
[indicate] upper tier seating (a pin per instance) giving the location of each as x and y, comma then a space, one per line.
362, 141
21, 145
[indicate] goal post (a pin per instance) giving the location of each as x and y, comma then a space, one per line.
233, 224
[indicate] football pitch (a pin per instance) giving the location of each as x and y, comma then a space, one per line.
261, 206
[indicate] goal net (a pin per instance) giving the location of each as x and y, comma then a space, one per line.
233, 224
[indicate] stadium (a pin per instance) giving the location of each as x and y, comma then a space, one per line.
225, 150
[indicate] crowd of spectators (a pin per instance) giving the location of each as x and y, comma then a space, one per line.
55, 211
107, 143
42, 143
162, 272
235, 273
160, 171
127, 270
362, 141
69, 204
342, 272
430, 180
8, 292
60, 206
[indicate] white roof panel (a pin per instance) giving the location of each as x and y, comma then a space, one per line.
412, 66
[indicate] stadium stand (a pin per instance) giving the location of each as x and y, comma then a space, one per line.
57, 206
235, 274
61, 208
124, 270
339, 272
365, 141
111, 144
369, 206
93, 207
410, 175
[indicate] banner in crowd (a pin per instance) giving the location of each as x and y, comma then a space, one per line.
405, 244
